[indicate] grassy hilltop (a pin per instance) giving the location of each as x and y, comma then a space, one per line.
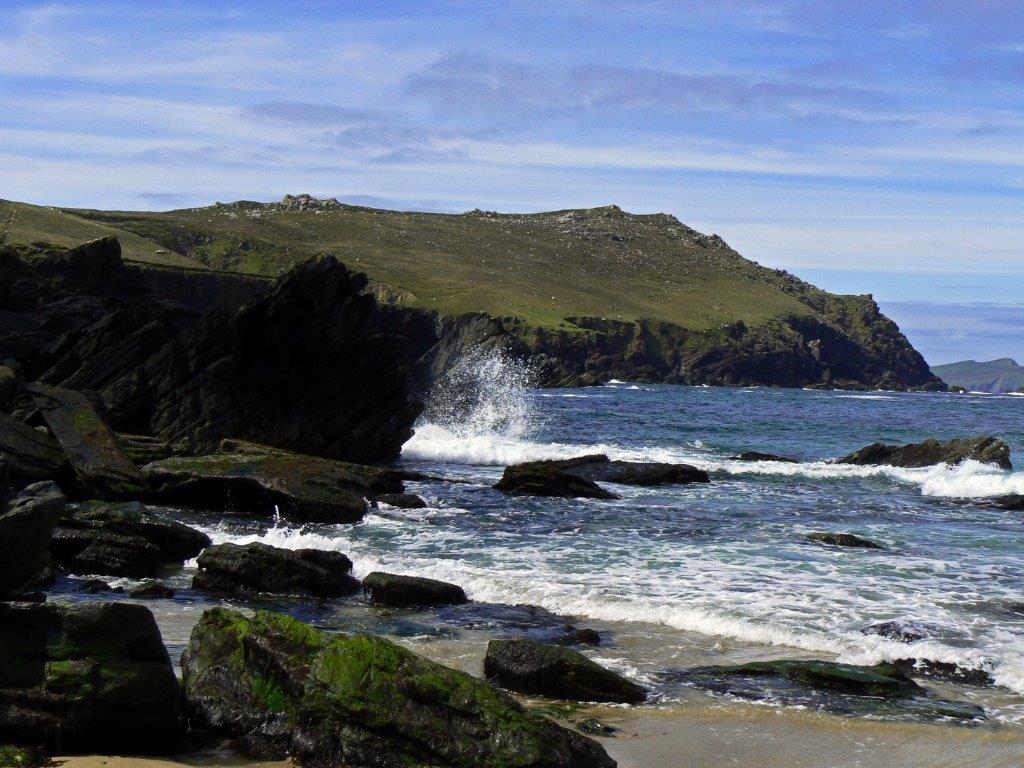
605, 291
544, 267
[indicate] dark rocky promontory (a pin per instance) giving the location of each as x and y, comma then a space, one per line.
984, 449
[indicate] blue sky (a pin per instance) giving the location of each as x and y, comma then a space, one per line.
870, 147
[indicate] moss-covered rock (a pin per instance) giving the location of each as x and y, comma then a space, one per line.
396, 590
88, 677
246, 478
26, 525
258, 568
360, 700
527, 666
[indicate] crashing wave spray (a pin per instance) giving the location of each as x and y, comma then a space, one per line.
480, 411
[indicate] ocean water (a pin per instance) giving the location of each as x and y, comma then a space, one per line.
715, 573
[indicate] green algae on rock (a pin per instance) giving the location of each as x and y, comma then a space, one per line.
247, 478
360, 700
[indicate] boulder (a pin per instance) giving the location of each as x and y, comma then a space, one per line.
598, 467
122, 540
984, 449
26, 526
540, 479
402, 500
258, 568
843, 540
394, 590
86, 677
28, 455
332, 700
250, 479
302, 368
758, 456
527, 666
572, 635
100, 466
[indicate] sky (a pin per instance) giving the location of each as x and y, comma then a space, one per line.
869, 147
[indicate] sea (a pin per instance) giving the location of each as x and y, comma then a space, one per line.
676, 577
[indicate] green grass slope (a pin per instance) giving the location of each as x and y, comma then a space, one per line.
543, 267
1002, 375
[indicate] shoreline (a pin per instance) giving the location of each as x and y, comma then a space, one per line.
725, 734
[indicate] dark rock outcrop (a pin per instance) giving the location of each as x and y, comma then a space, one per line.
26, 526
843, 540
302, 369
527, 666
87, 677
249, 479
543, 479
359, 700
881, 680
599, 467
261, 569
394, 590
984, 449
943, 670
100, 467
122, 540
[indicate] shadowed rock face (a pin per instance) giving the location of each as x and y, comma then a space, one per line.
527, 666
303, 366
89, 677
332, 700
300, 369
26, 525
984, 449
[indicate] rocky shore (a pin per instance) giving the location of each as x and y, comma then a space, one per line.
288, 405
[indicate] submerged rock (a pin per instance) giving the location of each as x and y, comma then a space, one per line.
843, 540
100, 465
900, 631
402, 500
26, 526
360, 700
758, 456
984, 449
944, 670
151, 588
880, 690
527, 666
122, 540
541, 479
258, 568
86, 677
250, 479
529, 621
392, 589
1013, 501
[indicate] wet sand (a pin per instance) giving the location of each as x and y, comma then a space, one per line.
759, 737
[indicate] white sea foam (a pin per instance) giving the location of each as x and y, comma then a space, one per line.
433, 442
